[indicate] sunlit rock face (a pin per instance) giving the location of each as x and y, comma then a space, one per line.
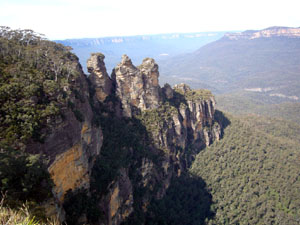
98, 76
137, 87
179, 123
71, 144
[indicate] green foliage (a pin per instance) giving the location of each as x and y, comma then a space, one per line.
23, 177
276, 127
35, 83
241, 103
39, 80
253, 173
156, 119
195, 95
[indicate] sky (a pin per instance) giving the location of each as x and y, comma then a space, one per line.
63, 19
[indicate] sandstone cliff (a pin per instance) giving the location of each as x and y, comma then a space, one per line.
111, 145
266, 33
99, 77
137, 88
168, 127
72, 142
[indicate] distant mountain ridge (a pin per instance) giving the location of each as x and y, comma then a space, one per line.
159, 47
290, 32
123, 39
266, 62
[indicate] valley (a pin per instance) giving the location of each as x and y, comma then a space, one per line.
191, 137
159, 47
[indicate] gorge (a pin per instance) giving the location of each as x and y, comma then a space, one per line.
113, 145
120, 148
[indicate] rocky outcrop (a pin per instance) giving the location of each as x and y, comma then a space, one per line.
179, 123
98, 76
168, 91
266, 33
120, 199
72, 143
201, 110
176, 123
136, 87
112, 146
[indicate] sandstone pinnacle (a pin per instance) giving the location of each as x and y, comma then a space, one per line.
98, 76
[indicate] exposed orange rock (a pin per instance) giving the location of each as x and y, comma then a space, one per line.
69, 171
114, 202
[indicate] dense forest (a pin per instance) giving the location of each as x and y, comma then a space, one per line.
250, 176
242, 103
253, 172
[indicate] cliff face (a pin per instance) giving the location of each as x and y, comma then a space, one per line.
266, 33
72, 143
175, 125
99, 77
137, 88
112, 145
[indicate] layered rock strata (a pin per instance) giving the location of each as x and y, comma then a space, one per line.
72, 142
136, 87
176, 123
179, 123
98, 76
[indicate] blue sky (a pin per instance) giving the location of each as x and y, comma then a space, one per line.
61, 19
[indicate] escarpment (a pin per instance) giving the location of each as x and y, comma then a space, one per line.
45, 110
290, 32
72, 142
159, 132
111, 145
123, 140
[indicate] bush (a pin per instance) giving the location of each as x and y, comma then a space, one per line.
23, 177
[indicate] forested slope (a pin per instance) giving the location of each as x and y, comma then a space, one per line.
253, 173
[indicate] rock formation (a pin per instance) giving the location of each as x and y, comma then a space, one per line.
98, 76
137, 88
72, 143
179, 123
155, 134
168, 91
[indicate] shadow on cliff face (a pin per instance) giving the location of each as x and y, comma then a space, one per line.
126, 143
186, 202
222, 119
128, 146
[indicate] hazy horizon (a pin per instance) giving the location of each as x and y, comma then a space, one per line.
66, 19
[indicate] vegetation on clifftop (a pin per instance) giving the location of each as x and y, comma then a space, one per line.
251, 176
34, 84
38, 83
195, 95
